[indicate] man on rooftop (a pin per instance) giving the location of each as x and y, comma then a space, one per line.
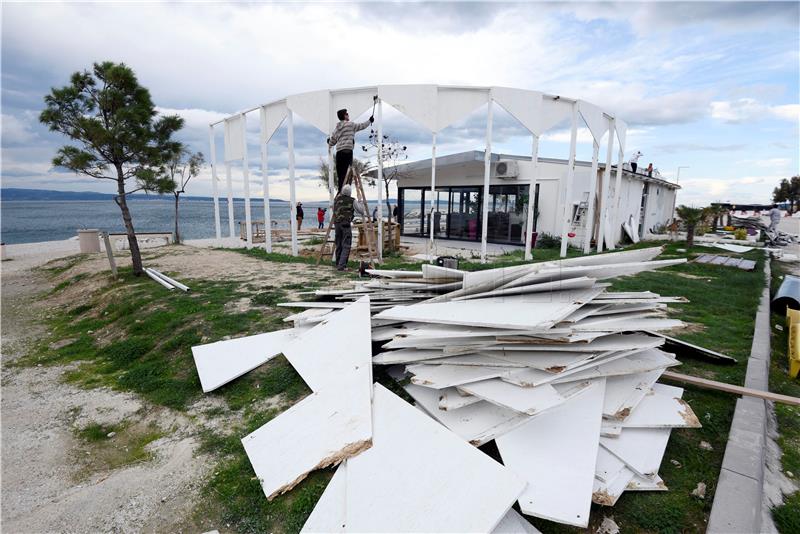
343, 138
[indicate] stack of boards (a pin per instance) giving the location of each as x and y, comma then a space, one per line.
541, 358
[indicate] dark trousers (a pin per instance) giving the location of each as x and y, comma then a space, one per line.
634, 165
344, 158
321, 225
343, 240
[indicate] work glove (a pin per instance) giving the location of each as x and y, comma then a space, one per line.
371, 119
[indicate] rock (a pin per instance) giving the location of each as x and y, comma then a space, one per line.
700, 490
608, 526
111, 434
676, 463
62, 343
706, 446
779, 328
789, 474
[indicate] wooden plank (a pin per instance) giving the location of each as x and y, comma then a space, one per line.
220, 362
556, 453
385, 495
730, 388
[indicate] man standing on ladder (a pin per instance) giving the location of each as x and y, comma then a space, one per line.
343, 138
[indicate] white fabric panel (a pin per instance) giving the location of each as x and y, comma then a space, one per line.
417, 102
313, 107
552, 113
356, 102
622, 130
234, 138
524, 105
455, 104
272, 117
593, 116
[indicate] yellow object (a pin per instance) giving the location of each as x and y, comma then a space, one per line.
728, 228
793, 320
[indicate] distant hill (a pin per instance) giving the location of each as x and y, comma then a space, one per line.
13, 193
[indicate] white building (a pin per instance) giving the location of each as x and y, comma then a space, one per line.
649, 201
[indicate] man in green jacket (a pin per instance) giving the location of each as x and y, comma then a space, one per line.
344, 208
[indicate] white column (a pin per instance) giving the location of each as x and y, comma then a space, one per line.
231, 230
379, 121
487, 169
566, 220
601, 233
331, 186
248, 220
265, 179
532, 196
434, 203
587, 239
213, 159
292, 199
614, 218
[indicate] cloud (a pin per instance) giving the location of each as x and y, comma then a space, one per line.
751, 110
16, 131
675, 148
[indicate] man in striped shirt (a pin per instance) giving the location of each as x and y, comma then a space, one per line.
343, 139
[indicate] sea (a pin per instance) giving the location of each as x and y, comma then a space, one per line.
29, 221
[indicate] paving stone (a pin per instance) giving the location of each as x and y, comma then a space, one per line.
737, 505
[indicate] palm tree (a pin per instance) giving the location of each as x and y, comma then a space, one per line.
691, 217
716, 213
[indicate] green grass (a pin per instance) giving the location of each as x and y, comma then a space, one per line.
724, 301
94, 432
787, 516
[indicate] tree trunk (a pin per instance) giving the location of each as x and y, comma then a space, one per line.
177, 235
690, 235
136, 256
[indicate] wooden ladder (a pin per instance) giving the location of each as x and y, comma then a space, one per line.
366, 222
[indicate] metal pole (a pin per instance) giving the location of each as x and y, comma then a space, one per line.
265, 181
292, 206
213, 159
434, 202
379, 120
487, 167
567, 216
331, 186
587, 243
532, 196
246, 177
231, 232
601, 234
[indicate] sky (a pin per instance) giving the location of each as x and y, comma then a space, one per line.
711, 87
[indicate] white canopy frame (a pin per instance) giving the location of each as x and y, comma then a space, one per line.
435, 107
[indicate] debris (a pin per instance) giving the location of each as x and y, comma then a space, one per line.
700, 490
111, 434
608, 526
739, 249
730, 388
167, 279
789, 474
684, 348
779, 328
706, 446
676, 463
727, 261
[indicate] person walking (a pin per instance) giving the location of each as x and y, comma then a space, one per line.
344, 209
635, 160
343, 138
299, 214
774, 218
321, 218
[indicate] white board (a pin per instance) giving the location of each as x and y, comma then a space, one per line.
451, 399
640, 362
417, 102
514, 523
662, 408
356, 102
516, 312
640, 448
529, 401
328, 516
523, 105
220, 362
625, 392
438, 494
454, 104
556, 453
442, 376
271, 117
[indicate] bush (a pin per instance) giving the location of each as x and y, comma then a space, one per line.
740, 233
548, 241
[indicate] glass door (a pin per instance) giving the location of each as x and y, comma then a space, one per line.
463, 219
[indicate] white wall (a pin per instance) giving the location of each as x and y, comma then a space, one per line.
551, 180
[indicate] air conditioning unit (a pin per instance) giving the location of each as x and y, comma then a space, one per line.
506, 169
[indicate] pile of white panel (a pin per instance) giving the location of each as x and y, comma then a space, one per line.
543, 359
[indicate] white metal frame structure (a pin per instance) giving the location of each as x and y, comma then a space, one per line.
434, 107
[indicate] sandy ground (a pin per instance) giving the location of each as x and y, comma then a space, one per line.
45, 484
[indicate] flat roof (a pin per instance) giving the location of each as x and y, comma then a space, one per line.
472, 156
